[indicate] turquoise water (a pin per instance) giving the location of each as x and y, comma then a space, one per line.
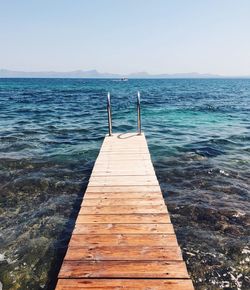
198, 135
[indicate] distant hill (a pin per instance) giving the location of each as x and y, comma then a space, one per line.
4, 73
53, 74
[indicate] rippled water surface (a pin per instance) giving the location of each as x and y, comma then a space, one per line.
198, 135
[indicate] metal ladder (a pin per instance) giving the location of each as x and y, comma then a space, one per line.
138, 114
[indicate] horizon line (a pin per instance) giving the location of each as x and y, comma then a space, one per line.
95, 74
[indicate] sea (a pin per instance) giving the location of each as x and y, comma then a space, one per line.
198, 132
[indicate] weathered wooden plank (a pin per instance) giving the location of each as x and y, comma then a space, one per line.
137, 189
123, 269
121, 157
144, 179
110, 171
123, 229
122, 195
132, 142
116, 159
145, 240
123, 209
139, 147
120, 172
125, 163
124, 218
120, 160
121, 253
128, 284
114, 140
115, 178
124, 149
121, 166
122, 182
123, 201
114, 150
117, 165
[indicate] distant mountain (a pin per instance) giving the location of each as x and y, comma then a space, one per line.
4, 73
177, 75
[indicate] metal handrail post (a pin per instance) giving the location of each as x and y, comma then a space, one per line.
109, 114
139, 113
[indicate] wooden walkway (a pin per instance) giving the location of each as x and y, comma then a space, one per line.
123, 237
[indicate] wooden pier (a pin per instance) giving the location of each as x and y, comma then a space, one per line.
123, 237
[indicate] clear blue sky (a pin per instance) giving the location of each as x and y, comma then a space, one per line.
123, 36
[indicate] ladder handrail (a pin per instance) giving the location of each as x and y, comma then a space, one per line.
109, 114
138, 113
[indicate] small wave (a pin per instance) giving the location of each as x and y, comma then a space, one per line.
208, 151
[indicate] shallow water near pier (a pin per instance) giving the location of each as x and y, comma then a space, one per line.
198, 135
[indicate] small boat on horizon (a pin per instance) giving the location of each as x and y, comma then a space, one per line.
121, 80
